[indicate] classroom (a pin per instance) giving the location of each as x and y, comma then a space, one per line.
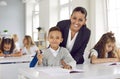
88, 21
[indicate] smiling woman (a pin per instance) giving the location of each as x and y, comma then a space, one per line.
75, 33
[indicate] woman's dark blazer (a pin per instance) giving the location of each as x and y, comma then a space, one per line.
80, 42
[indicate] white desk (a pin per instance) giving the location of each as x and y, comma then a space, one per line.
90, 71
9, 66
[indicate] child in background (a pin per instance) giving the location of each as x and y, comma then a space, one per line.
0, 40
104, 50
29, 46
56, 55
7, 48
15, 38
0, 44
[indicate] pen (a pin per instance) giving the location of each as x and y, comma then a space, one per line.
34, 60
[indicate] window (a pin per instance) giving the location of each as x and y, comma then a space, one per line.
64, 13
113, 12
35, 22
64, 9
62, 2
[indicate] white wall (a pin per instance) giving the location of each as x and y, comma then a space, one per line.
97, 20
44, 14
48, 13
54, 11
28, 18
12, 18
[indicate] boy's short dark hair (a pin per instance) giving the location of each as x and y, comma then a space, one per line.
55, 28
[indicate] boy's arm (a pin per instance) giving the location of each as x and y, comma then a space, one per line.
65, 66
68, 59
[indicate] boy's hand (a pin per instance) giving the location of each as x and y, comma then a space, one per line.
65, 66
39, 57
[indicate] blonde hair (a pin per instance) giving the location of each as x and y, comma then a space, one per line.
29, 41
15, 37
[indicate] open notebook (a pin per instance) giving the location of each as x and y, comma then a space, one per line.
57, 71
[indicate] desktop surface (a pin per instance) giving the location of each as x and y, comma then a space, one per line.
9, 66
87, 71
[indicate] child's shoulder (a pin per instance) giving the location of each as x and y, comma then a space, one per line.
93, 50
45, 51
63, 48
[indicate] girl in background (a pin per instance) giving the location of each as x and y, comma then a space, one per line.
104, 50
7, 48
15, 38
29, 46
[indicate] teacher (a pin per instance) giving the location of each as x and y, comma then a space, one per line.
75, 33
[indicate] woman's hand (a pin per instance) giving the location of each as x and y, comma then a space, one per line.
64, 65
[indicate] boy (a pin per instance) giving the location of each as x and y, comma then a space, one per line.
56, 55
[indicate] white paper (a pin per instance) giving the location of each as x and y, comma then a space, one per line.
57, 71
